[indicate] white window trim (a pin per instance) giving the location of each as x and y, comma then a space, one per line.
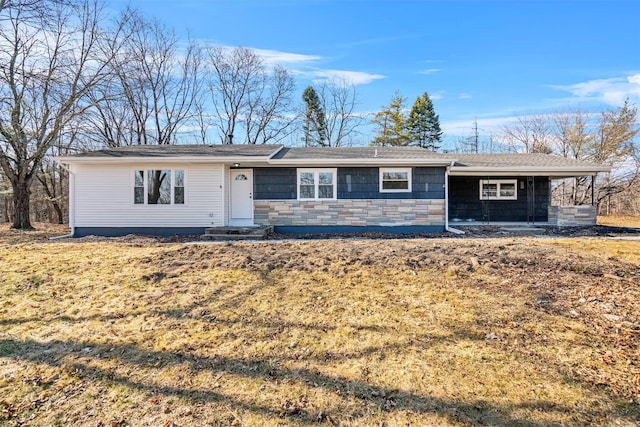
316, 182
145, 186
499, 183
409, 175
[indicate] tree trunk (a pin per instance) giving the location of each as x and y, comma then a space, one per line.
5, 209
21, 205
59, 213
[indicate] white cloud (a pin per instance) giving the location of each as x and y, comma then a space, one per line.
277, 57
464, 95
303, 66
612, 90
429, 71
350, 77
436, 95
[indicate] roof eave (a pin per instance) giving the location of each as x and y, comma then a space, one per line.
361, 162
162, 159
528, 171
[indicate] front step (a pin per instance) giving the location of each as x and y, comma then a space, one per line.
237, 233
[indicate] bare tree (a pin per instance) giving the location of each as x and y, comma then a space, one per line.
53, 180
152, 89
267, 117
339, 100
530, 133
573, 133
49, 63
28, 7
247, 98
606, 138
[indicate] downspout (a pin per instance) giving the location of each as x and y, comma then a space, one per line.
446, 202
72, 184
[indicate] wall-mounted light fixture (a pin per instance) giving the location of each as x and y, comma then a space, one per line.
236, 165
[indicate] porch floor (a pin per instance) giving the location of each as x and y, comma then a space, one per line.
507, 228
458, 224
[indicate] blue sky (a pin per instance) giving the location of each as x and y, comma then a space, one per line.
484, 60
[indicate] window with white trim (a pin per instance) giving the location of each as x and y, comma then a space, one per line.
158, 187
317, 184
395, 180
498, 189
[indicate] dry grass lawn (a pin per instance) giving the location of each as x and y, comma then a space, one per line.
504, 331
620, 221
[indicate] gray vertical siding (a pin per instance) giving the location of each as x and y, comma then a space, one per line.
364, 183
274, 184
353, 184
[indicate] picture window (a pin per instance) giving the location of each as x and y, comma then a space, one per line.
158, 187
396, 180
504, 189
317, 184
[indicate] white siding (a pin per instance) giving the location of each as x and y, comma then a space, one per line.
103, 197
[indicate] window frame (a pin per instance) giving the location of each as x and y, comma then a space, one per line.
316, 183
145, 186
408, 171
499, 183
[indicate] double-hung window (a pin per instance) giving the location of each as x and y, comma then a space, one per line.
498, 189
317, 184
395, 180
158, 187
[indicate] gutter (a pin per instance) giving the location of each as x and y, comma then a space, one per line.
446, 201
529, 171
359, 162
162, 159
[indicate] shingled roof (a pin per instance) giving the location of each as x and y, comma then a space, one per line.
277, 155
523, 164
515, 160
296, 153
179, 150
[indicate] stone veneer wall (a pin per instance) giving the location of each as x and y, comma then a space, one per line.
573, 215
378, 212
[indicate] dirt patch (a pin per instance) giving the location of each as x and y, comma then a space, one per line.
476, 231
44, 231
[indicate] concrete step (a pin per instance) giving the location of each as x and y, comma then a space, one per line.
236, 233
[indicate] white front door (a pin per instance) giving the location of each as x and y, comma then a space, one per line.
241, 197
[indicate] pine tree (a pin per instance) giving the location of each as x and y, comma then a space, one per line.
423, 124
391, 123
315, 124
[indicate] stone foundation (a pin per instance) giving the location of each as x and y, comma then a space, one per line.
353, 213
567, 216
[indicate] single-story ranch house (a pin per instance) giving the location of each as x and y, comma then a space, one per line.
183, 189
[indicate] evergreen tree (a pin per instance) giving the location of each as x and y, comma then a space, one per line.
315, 124
423, 124
391, 124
